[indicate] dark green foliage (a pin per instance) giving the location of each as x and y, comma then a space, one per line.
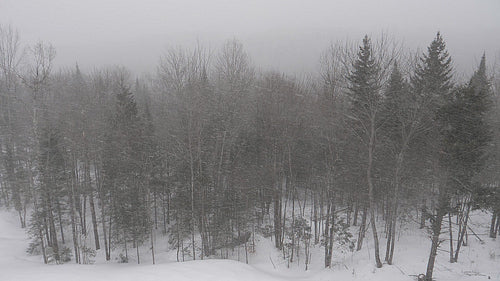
466, 136
432, 78
399, 108
66, 254
365, 82
122, 258
466, 130
124, 170
52, 190
432, 84
88, 255
477, 154
343, 235
366, 100
34, 248
51, 161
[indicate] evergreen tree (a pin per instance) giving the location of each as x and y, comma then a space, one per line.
396, 105
432, 79
432, 82
52, 190
124, 164
365, 96
487, 193
467, 134
400, 127
466, 138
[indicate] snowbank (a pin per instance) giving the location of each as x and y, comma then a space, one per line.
477, 262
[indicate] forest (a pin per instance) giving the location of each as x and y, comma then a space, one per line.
208, 151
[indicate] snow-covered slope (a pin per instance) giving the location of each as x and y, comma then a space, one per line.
477, 262
16, 265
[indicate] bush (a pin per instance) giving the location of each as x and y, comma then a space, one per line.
66, 255
122, 258
88, 255
343, 235
267, 231
34, 248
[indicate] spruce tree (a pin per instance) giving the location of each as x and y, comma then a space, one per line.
364, 93
432, 79
432, 83
396, 105
124, 165
466, 139
400, 128
467, 134
52, 189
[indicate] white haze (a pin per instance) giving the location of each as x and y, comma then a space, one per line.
284, 35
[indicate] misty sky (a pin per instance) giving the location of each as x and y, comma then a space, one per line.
284, 35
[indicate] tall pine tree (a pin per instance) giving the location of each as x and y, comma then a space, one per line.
466, 139
124, 165
364, 92
432, 82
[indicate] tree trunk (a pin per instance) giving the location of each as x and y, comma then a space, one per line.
371, 195
164, 212
155, 207
315, 219
329, 233
283, 221
393, 235
330, 244
375, 238
293, 225
394, 212
423, 214
91, 201
178, 232
94, 221
292, 187
100, 196
137, 251
389, 236
47, 232
152, 246
109, 238
436, 231
74, 229
53, 236
52, 229
192, 204
126, 248
84, 215
326, 235
356, 211
45, 261
59, 214
462, 233
451, 238
493, 233
498, 224
106, 242
277, 216
362, 229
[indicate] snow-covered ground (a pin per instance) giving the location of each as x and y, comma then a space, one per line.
477, 262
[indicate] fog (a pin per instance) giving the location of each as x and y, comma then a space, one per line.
284, 35
212, 156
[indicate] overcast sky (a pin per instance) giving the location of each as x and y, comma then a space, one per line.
285, 35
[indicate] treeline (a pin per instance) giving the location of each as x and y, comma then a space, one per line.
208, 152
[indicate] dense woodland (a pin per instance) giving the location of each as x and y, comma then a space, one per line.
208, 152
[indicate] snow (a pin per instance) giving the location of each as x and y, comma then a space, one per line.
476, 262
